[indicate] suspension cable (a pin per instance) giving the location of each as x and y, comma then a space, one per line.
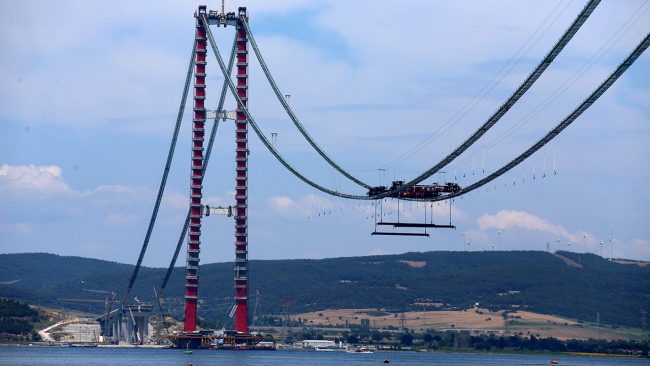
568, 83
640, 48
256, 128
163, 182
569, 33
208, 150
523, 88
424, 142
293, 117
567, 121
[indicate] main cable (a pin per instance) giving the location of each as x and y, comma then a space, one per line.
568, 34
293, 117
256, 128
424, 142
523, 88
582, 17
640, 48
570, 81
163, 182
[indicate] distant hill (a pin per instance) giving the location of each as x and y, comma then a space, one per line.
566, 284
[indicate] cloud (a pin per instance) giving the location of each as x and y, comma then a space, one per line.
284, 205
44, 179
506, 219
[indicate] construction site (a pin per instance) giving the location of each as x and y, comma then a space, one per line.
128, 323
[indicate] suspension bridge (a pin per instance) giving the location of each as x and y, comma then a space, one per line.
206, 21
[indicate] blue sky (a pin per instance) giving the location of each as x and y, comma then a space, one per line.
89, 92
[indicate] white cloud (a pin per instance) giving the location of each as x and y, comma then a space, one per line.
507, 220
44, 179
285, 205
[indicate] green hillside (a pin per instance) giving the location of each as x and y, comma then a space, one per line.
531, 280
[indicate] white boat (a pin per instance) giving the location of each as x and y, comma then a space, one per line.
325, 349
361, 350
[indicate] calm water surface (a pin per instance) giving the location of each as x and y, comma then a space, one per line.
59, 356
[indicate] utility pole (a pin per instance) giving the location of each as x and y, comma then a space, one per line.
287, 329
402, 322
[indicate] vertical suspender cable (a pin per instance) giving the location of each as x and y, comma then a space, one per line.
554, 171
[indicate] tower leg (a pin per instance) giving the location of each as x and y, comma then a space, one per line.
196, 180
241, 185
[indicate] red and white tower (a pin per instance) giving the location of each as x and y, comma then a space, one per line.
241, 185
196, 179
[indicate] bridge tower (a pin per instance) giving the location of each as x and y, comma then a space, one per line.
241, 180
196, 180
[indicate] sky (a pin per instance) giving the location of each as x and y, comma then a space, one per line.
89, 93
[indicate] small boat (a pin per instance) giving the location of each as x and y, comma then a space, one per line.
325, 349
554, 362
361, 350
83, 345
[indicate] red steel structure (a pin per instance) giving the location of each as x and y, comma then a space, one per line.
196, 181
241, 185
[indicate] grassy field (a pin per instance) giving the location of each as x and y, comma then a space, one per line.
523, 322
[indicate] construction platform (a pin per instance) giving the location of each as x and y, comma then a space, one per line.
215, 340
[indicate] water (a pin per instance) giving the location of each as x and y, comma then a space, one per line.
60, 356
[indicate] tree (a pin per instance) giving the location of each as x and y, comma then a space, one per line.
377, 336
353, 339
427, 338
407, 339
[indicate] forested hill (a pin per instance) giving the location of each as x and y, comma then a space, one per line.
568, 284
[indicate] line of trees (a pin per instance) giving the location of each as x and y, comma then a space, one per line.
17, 321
